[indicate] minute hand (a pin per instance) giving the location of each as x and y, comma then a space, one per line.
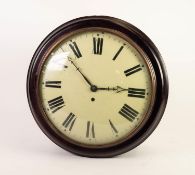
86, 79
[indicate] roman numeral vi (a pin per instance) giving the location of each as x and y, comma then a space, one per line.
90, 133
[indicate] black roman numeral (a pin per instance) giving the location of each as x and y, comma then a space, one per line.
134, 92
97, 45
117, 53
75, 49
113, 127
133, 70
53, 84
69, 122
128, 112
90, 133
56, 104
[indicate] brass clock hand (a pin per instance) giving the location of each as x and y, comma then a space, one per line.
78, 69
117, 89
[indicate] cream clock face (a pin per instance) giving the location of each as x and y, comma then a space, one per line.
96, 87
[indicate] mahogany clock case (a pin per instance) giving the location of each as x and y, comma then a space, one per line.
147, 47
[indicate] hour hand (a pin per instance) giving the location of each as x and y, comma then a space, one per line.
132, 92
117, 89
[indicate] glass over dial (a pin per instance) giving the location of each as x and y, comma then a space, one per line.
96, 87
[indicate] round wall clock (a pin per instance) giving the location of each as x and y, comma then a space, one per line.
97, 86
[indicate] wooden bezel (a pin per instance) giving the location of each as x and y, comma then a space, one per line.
147, 47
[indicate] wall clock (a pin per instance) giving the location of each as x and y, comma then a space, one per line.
97, 86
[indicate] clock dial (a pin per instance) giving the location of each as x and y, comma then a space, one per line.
97, 87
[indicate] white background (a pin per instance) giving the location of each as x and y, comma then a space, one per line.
24, 149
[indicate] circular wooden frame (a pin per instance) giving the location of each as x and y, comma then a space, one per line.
146, 46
